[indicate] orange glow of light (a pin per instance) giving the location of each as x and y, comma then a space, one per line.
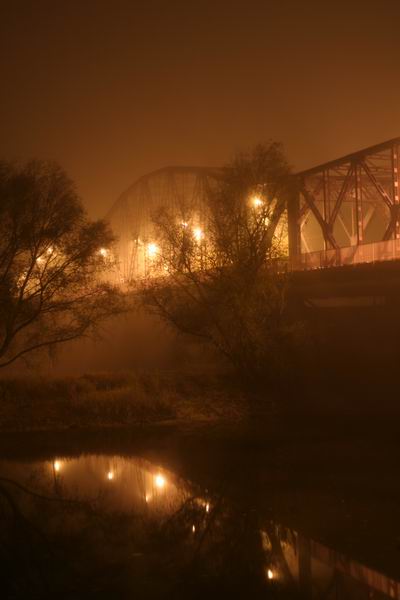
193, 528
270, 574
198, 234
57, 465
110, 475
152, 249
257, 202
103, 252
159, 481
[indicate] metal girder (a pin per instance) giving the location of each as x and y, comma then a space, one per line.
396, 189
385, 197
362, 189
355, 156
358, 203
326, 228
341, 196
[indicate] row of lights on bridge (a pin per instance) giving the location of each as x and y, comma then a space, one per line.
153, 249
198, 233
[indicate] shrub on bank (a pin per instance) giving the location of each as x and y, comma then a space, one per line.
113, 399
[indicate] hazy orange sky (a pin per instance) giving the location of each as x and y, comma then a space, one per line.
112, 89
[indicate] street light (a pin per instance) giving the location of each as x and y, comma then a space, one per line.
159, 481
198, 234
152, 249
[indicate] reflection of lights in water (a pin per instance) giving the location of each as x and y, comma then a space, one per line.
193, 528
207, 507
184, 224
141, 485
159, 481
270, 574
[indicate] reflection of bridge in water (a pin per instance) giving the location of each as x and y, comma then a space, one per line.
345, 213
137, 487
323, 572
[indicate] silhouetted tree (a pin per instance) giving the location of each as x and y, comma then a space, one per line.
218, 273
52, 261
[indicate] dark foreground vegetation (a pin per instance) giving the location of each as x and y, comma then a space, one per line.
218, 273
214, 272
53, 263
118, 399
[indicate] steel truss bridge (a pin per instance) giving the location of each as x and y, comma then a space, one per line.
344, 212
131, 215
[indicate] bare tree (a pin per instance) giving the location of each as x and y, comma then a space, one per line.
53, 262
218, 273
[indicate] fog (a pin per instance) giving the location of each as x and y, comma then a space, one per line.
133, 341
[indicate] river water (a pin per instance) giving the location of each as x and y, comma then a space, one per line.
185, 517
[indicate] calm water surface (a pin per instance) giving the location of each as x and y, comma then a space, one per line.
104, 525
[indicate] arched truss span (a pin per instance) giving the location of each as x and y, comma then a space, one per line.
131, 215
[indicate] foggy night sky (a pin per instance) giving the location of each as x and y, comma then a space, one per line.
113, 89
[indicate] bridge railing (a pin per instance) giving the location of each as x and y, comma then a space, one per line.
352, 255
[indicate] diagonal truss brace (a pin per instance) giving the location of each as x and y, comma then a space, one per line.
326, 228
341, 196
377, 185
394, 208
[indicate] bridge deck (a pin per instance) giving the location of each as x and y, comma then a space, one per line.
351, 255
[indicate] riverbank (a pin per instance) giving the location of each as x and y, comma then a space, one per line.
103, 400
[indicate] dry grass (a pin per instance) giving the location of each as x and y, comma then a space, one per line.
114, 399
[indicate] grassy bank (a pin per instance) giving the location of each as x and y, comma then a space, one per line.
116, 399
